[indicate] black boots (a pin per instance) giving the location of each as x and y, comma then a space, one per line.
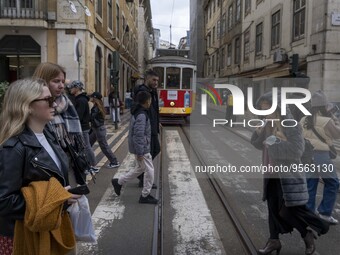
275, 245
272, 245
309, 242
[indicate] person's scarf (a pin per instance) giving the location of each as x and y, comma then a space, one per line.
66, 124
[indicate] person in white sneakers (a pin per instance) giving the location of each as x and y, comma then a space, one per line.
139, 144
321, 128
99, 130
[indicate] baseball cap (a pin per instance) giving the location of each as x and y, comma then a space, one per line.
96, 95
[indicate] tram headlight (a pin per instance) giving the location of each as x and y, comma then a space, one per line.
172, 103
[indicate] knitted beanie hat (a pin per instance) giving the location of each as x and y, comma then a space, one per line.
319, 99
76, 84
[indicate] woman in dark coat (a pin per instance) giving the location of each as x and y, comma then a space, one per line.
285, 192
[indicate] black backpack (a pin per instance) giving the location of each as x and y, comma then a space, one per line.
308, 154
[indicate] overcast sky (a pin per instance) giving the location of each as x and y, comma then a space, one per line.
162, 17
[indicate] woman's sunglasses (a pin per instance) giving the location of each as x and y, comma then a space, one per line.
49, 100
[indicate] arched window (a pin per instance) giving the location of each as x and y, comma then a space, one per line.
109, 61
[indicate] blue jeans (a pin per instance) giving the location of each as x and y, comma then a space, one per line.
331, 184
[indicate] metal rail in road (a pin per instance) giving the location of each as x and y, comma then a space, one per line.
248, 245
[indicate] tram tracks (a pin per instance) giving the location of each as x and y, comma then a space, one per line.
245, 240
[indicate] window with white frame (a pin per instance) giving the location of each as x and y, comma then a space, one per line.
109, 14
247, 7
213, 35
246, 45
258, 42
299, 18
230, 17
223, 57
100, 8
275, 38
237, 50
213, 64
223, 24
229, 54
117, 21
238, 11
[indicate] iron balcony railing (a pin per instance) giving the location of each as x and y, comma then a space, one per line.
23, 9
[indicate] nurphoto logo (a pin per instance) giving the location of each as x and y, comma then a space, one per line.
239, 109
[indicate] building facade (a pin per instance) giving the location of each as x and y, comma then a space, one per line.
80, 35
263, 39
197, 35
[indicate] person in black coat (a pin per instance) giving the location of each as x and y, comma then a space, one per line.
28, 151
286, 193
150, 85
83, 110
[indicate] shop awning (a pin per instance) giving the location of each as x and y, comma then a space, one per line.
272, 72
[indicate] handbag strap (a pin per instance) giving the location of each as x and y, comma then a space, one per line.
319, 136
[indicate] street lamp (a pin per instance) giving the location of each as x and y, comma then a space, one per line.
74, 9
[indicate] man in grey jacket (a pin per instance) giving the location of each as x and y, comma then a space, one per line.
139, 144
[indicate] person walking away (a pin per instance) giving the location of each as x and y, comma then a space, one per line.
284, 146
151, 84
83, 110
114, 105
128, 99
139, 144
230, 107
65, 125
30, 155
99, 130
321, 128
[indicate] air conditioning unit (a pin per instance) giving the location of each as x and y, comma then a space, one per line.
51, 16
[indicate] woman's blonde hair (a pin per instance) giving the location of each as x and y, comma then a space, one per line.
16, 106
48, 71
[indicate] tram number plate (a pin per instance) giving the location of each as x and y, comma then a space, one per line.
172, 94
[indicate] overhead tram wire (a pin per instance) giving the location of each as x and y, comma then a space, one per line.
172, 14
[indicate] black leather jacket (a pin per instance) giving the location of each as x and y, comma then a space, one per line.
23, 160
97, 119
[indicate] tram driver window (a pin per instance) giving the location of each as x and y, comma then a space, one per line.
173, 78
187, 76
160, 72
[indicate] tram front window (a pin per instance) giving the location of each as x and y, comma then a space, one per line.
187, 75
160, 72
173, 75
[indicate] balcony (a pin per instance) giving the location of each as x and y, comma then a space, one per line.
23, 9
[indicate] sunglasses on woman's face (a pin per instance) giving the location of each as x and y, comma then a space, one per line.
49, 100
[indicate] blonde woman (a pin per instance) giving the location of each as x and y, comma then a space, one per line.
99, 129
28, 152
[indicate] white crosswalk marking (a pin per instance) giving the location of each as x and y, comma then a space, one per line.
109, 209
192, 223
